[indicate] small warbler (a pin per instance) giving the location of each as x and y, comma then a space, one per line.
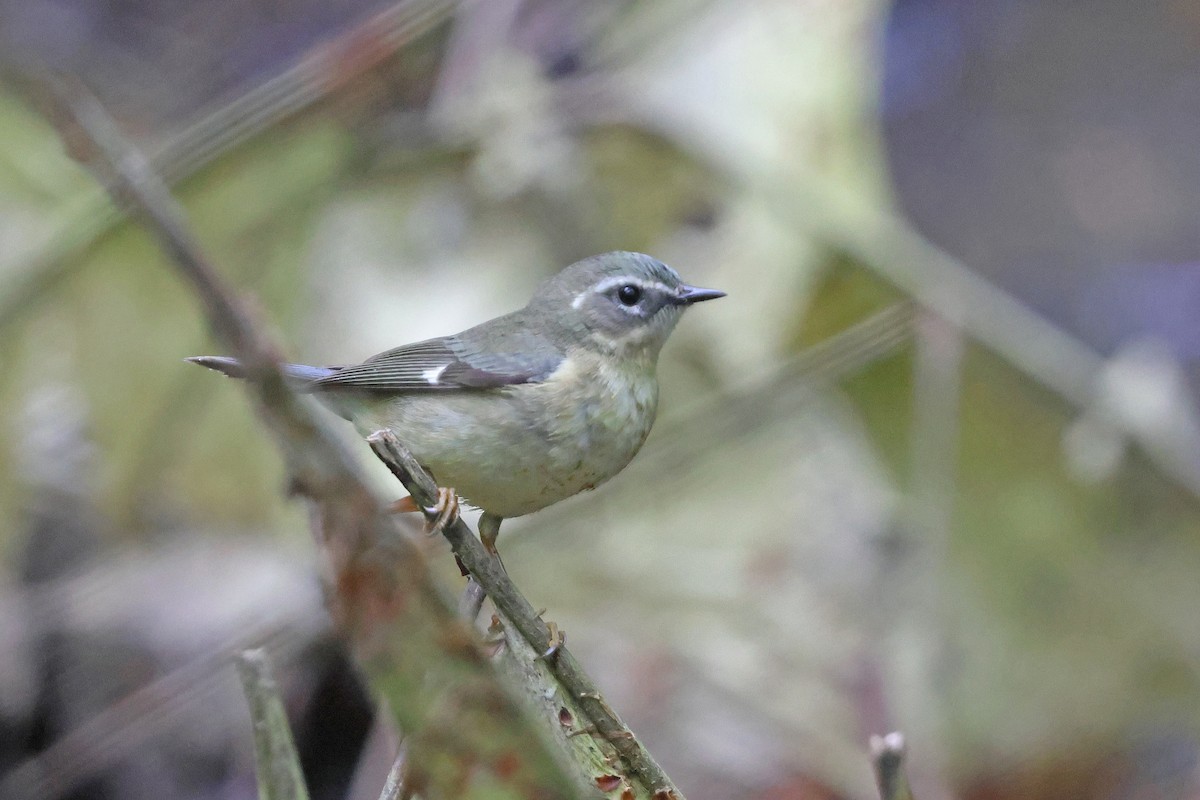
528, 408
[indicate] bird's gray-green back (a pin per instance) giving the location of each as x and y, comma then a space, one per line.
500, 352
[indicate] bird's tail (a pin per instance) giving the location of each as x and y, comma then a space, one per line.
300, 374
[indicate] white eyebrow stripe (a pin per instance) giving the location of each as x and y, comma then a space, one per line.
432, 374
621, 280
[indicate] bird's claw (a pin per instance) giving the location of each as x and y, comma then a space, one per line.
557, 639
442, 513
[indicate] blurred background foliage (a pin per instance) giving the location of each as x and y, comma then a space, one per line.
933, 465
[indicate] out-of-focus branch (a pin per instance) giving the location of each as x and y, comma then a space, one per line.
393, 787
275, 756
120, 730
325, 68
321, 71
986, 314
887, 756
606, 729
382, 596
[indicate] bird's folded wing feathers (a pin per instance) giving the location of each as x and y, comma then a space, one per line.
445, 363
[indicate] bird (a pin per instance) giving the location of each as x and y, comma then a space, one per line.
526, 409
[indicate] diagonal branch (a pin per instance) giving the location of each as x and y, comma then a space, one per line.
319, 73
513, 606
276, 760
382, 595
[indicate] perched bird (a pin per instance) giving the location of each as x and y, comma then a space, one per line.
528, 408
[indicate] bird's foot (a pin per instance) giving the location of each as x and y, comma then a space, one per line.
442, 513
558, 638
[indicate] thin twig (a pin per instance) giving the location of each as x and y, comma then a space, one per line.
276, 760
887, 755
509, 601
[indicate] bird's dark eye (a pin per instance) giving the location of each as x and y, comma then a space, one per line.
629, 294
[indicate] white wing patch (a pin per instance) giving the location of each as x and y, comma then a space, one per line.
433, 374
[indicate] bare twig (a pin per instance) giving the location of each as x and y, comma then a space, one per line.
887, 755
513, 606
275, 756
381, 593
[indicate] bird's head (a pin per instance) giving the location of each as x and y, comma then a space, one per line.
620, 303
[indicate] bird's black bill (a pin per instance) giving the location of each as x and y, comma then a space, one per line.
694, 294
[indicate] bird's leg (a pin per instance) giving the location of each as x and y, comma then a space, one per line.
489, 531
473, 594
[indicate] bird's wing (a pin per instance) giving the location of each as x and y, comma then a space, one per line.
449, 363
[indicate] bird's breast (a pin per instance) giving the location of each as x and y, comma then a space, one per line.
604, 413
516, 450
